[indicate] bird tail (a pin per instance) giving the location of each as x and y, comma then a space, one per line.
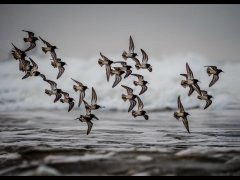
25, 39
44, 50
124, 98
146, 117
100, 62
124, 55
61, 100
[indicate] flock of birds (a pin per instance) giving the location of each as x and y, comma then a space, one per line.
30, 68
126, 69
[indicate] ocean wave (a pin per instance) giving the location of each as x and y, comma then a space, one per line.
164, 87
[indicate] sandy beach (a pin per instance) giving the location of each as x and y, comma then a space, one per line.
52, 143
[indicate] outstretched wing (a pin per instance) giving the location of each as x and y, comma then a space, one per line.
136, 61
80, 84
214, 80
144, 89
145, 57
204, 93
128, 73
94, 97
118, 79
197, 89
71, 105
140, 104
26, 76
185, 122
129, 90
180, 106
30, 34
208, 103
35, 66
191, 90
32, 46
58, 96
104, 57
131, 45
189, 72
61, 71
90, 125
52, 84
108, 72
82, 96
185, 75
132, 105
45, 42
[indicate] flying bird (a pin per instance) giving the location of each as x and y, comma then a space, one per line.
190, 81
125, 67
50, 48
80, 87
130, 54
140, 111
67, 99
57, 63
94, 105
118, 76
107, 62
33, 71
213, 70
130, 96
141, 83
31, 39
54, 90
182, 114
144, 64
88, 119
206, 98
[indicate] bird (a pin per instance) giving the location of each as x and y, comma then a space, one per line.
33, 70
125, 67
118, 76
141, 83
57, 63
31, 39
88, 119
206, 98
67, 99
213, 70
94, 105
144, 64
130, 54
190, 81
107, 62
140, 111
49, 48
182, 114
130, 96
54, 90
80, 87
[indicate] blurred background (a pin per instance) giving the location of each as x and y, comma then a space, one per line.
171, 35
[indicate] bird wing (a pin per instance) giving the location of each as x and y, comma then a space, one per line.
145, 57
71, 105
52, 84
212, 67
136, 61
80, 84
129, 90
204, 93
197, 89
45, 42
27, 75
144, 89
185, 122
131, 45
35, 66
132, 105
90, 125
214, 80
61, 71
108, 72
30, 34
208, 103
191, 90
140, 77
82, 96
118, 79
180, 106
58, 96
140, 104
65, 94
43, 77
54, 55
128, 73
185, 75
104, 57
189, 72
32, 46
94, 97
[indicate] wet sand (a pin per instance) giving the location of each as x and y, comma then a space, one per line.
52, 143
